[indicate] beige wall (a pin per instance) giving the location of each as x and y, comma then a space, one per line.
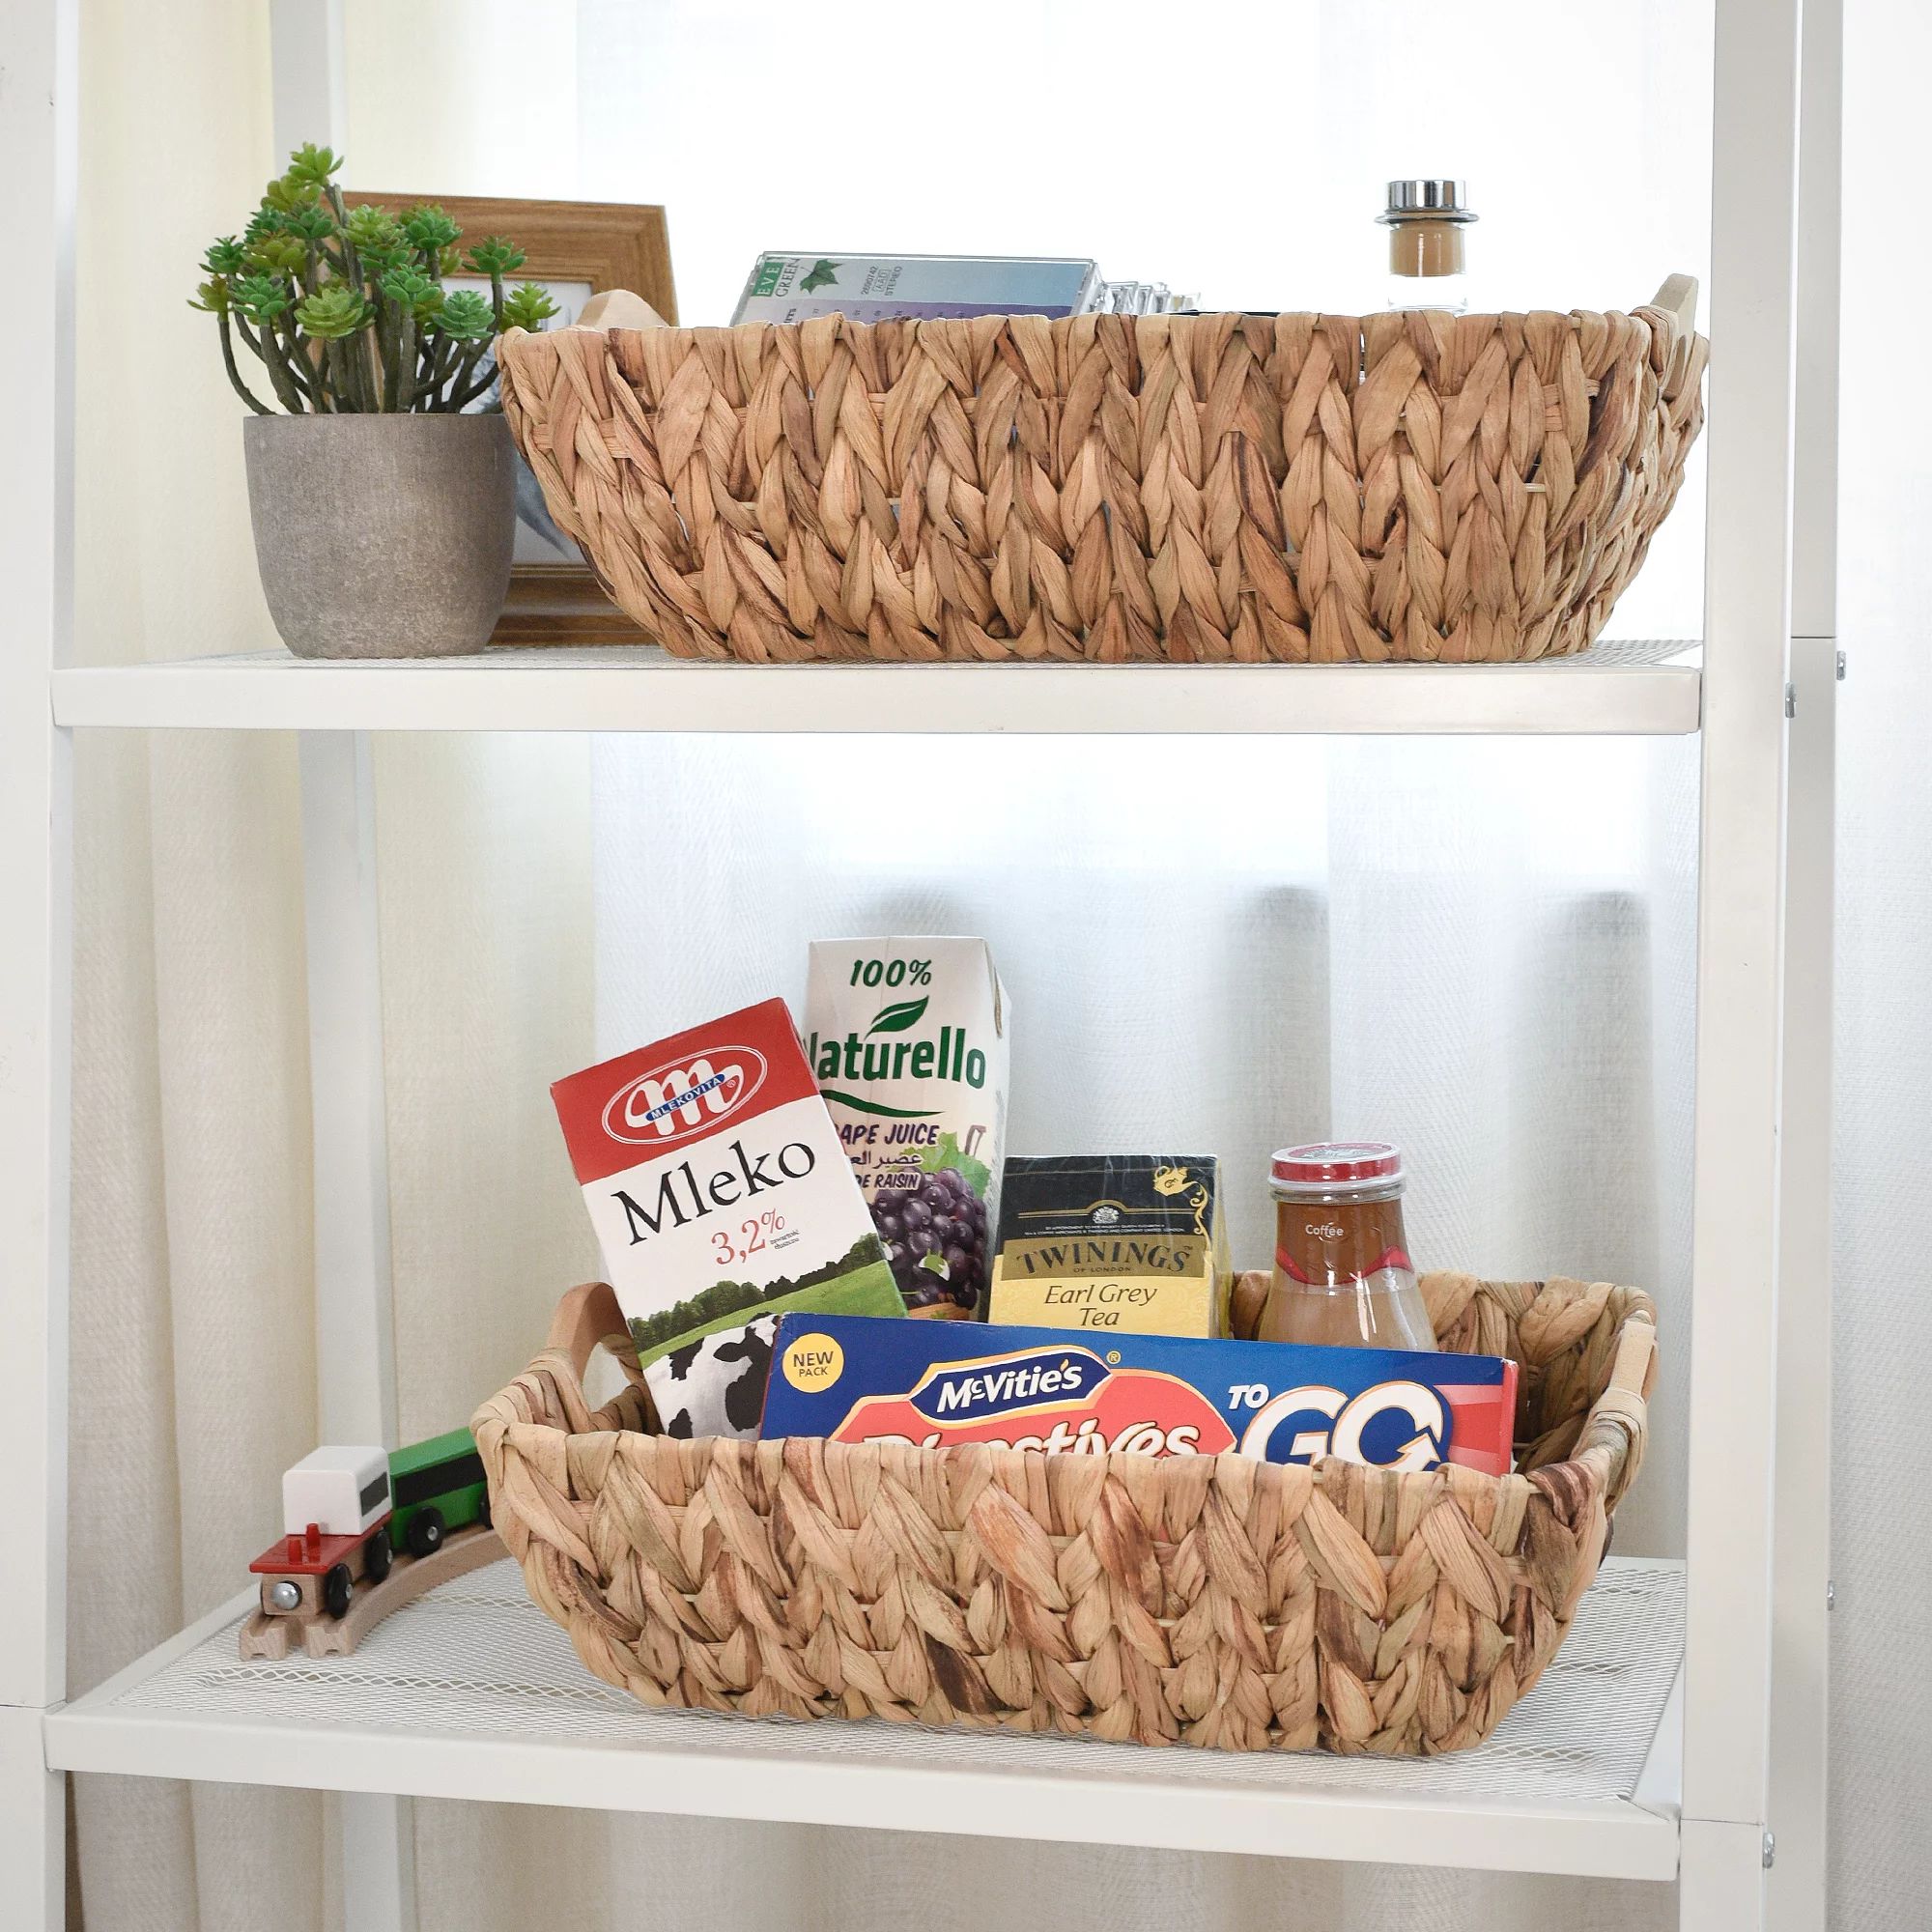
501, 118
175, 146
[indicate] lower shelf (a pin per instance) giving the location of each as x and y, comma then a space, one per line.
472, 1693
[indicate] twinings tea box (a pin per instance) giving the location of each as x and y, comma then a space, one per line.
1118, 1243
721, 1197
933, 1384
909, 1039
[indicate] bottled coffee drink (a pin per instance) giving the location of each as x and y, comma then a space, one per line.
1342, 1272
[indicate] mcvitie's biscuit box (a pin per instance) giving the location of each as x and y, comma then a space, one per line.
936, 1384
722, 1197
1119, 1244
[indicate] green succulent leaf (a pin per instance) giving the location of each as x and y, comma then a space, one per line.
260, 298
212, 297
379, 258
528, 307
465, 316
495, 256
429, 228
312, 167
225, 256
284, 196
373, 228
334, 311
411, 288
313, 224
279, 255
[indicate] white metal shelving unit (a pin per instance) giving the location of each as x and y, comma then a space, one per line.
470, 1693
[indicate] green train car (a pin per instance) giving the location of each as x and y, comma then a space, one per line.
435, 1487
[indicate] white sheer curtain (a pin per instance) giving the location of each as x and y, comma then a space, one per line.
1482, 950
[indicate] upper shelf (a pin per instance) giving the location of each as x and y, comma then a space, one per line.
1650, 688
473, 1693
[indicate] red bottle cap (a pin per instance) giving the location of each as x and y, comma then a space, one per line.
1329, 1162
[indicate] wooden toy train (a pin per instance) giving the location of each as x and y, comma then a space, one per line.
348, 1516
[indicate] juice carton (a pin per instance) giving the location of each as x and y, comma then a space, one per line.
910, 1041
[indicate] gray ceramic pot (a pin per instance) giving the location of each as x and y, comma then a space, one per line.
383, 536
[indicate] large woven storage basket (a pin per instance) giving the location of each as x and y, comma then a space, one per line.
1290, 488
1212, 1600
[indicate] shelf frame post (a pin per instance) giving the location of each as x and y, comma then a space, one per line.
354, 1314
1796, 1890
1737, 1351
39, 58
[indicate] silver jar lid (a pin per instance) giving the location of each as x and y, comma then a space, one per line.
1436, 200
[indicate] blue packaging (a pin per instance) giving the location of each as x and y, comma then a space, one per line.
857, 1378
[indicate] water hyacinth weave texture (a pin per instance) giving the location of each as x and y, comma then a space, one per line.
1294, 489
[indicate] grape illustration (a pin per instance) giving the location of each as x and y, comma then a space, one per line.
935, 1239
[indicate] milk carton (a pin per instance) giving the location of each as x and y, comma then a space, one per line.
722, 1198
909, 1039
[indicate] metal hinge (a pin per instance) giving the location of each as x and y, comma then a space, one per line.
1791, 701
1830, 1594
1770, 1851
1841, 667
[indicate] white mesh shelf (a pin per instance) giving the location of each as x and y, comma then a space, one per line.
472, 1693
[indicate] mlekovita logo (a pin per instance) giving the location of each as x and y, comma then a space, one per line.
974, 1391
680, 1098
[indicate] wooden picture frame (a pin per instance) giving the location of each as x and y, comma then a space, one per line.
605, 245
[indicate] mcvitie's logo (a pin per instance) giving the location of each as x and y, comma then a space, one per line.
993, 1385
680, 1098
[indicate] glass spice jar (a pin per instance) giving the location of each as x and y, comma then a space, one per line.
1425, 220
1342, 1272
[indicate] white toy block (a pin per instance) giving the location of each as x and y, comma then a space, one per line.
341, 1491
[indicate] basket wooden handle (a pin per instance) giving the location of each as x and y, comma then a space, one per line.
1677, 299
1623, 1396
1618, 1423
585, 1318
618, 308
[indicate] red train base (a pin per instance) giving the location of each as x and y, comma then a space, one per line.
321, 1632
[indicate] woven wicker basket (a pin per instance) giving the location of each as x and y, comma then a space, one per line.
1212, 1600
1293, 488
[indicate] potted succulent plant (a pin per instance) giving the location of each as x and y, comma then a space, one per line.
383, 501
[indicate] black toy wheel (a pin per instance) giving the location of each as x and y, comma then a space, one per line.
337, 1587
378, 1555
426, 1532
